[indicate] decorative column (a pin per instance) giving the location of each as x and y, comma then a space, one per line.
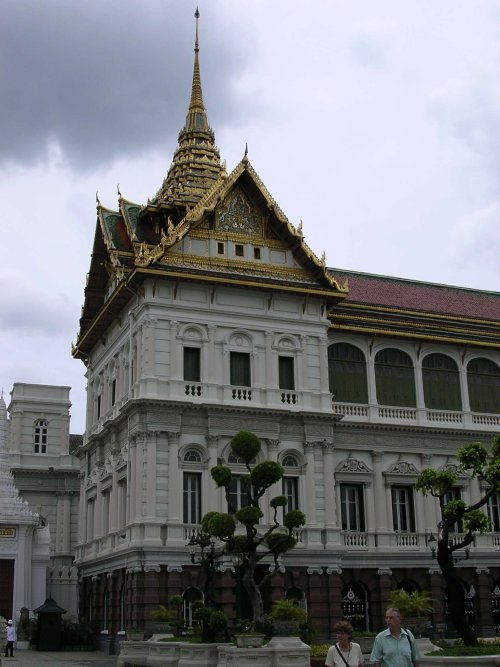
380, 600
148, 346
379, 493
175, 531
429, 502
310, 485
212, 496
139, 475
437, 595
335, 586
81, 509
151, 598
318, 598
419, 391
211, 377
151, 467
113, 499
372, 385
303, 383
270, 366
484, 612
66, 522
139, 363
174, 365
331, 521
277, 488
131, 487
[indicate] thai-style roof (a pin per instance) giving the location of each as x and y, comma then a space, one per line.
175, 234
383, 305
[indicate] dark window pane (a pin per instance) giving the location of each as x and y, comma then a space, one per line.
483, 381
240, 369
347, 373
192, 369
286, 377
395, 379
441, 382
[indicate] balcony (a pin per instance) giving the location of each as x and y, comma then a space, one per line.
356, 412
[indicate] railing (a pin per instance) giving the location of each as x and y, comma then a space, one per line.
193, 389
422, 416
288, 398
408, 414
353, 540
407, 540
241, 394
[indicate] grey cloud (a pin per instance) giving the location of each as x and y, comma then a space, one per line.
368, 52
26, 310
104, 79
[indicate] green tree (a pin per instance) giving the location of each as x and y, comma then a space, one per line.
479, 462
253, 544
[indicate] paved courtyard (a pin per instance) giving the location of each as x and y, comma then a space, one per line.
59, 659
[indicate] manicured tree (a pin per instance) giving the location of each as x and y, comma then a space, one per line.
253, 544
477, 461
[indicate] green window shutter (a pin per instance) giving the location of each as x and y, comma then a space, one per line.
286, 375
347, 373
192, 366
395, 378
483, 381
240, 369
441, 381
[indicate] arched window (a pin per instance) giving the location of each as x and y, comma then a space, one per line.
290, 461
189, 596
192, 456
441, 382
40, 436
347, 373
483, 381
395, 378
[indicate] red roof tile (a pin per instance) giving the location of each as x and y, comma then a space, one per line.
412, 295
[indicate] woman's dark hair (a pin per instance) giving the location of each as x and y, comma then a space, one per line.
344, 626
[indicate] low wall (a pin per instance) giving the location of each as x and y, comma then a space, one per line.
279, 651
460, 661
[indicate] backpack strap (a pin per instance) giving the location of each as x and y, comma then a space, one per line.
340, 653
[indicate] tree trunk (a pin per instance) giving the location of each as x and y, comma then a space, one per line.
456, 595
248, 581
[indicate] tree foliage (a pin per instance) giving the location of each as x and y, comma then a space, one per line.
256, 542
476, 461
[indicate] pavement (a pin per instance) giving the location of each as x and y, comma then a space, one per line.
31, 658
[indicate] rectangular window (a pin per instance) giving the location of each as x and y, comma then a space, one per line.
256, 253
352, 507
240, 369
122, 503
454, 494
40, 438
98, 407
237, 493
494, 512
291, 492
238, 250
286, 374
192, 365
220, 248
192, 497
113, 392
90, 519
106, 496
403, 512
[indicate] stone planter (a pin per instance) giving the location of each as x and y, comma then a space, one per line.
134, 635
286, 628
249, 640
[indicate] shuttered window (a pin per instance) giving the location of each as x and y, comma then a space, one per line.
441, 382
395, 378
347, 373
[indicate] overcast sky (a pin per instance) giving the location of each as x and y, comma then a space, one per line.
375, 123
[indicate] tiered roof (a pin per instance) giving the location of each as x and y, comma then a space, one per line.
382, 305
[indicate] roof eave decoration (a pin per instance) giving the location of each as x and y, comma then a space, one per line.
146, 256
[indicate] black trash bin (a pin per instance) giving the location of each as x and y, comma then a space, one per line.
49, 625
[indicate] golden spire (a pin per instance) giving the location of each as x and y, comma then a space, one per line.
196, 163
196, 118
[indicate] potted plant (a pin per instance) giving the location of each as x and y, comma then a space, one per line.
413, 607
287, 618
134, 634
161, 620
246, 636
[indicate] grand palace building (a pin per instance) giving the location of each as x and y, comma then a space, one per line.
205, 313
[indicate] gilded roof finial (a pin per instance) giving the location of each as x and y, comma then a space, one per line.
196, 113
245, 155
